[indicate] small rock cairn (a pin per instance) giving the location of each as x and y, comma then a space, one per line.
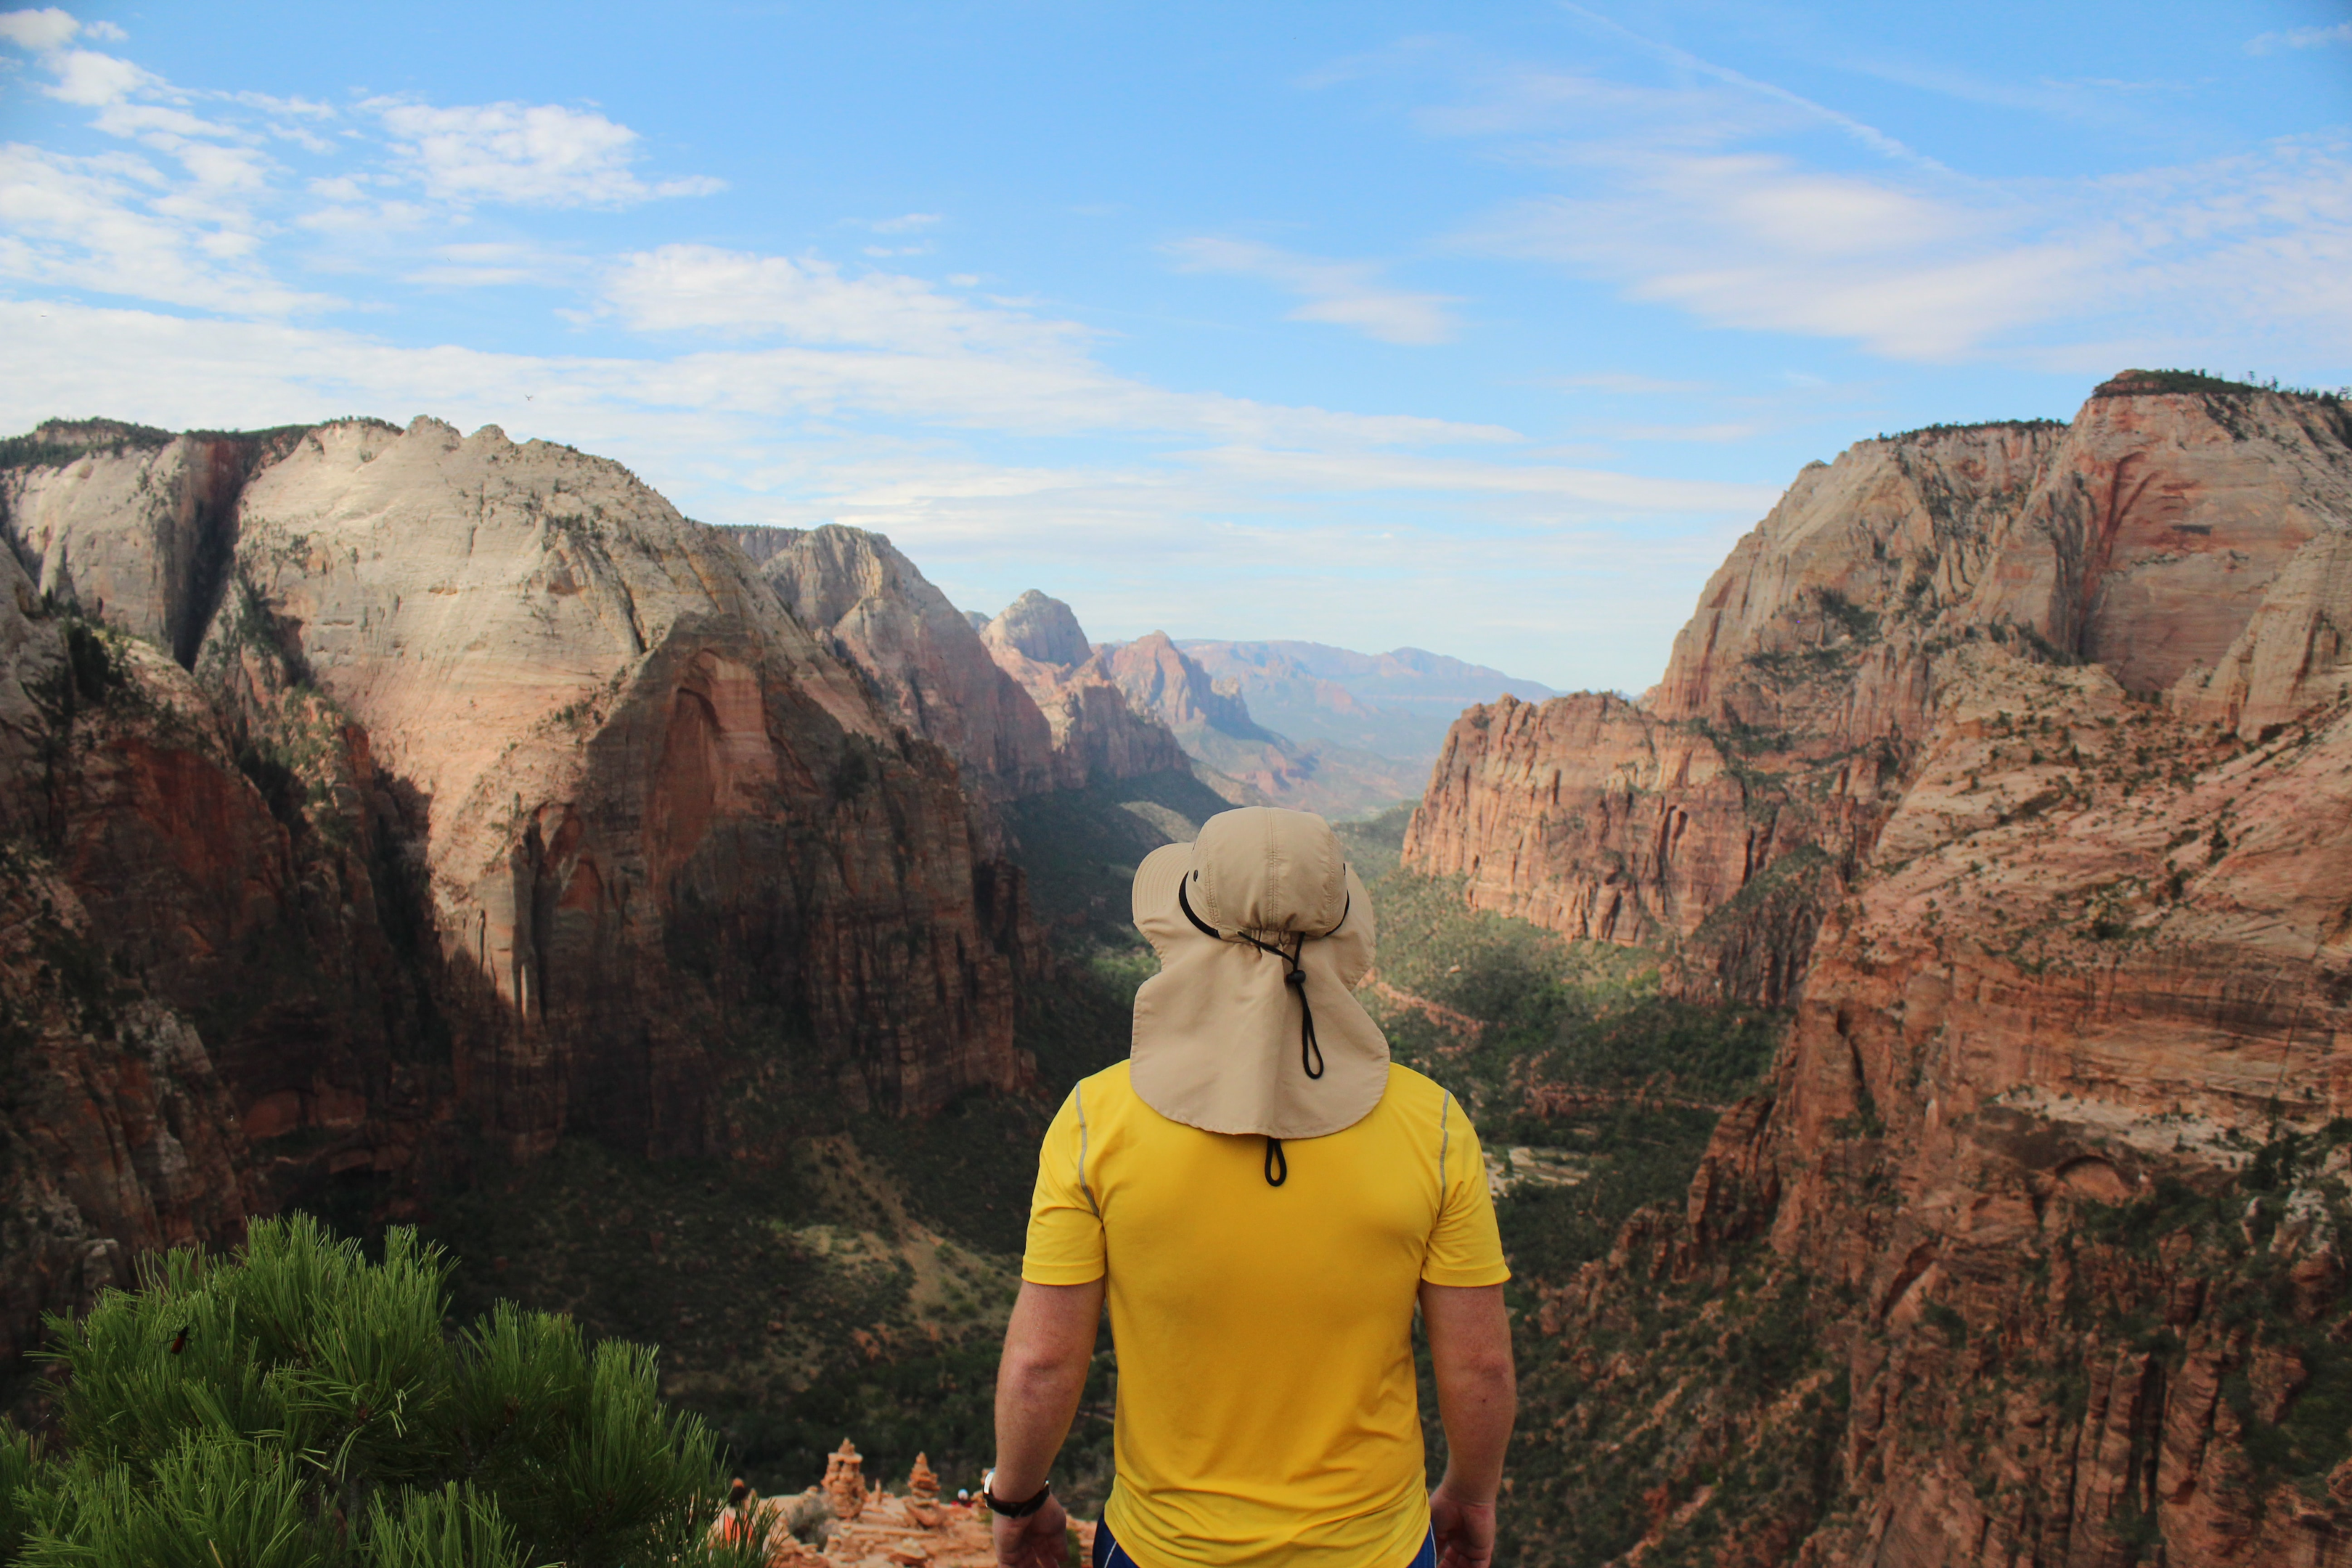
838, 1524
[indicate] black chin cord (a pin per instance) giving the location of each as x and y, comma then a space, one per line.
1310, 1050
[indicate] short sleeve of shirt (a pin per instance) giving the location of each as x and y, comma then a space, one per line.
1464, 1248
1066, 1232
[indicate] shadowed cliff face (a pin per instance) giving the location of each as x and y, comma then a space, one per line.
500, 800
2032, 1253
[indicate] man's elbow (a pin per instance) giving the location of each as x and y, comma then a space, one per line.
1042, 1366
1485, 1368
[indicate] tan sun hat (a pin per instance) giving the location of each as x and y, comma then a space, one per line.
1225, 1038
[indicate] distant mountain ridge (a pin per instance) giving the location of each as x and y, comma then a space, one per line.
1397, 704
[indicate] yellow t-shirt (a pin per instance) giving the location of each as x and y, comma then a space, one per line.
1267, 1414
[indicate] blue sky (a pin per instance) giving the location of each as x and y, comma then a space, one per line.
1481, 328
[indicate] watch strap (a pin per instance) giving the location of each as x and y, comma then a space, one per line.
1022, 1509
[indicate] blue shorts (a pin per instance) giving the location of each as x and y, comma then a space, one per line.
1110, 1554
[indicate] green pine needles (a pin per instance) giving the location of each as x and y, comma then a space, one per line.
296, 1405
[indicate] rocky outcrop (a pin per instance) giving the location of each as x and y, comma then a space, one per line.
839, 1520
931, 668
500, 801
117, 1134
2031, 1251
1097, 735
2294, 654
1159, 678
647, 795
1040, 629
2183, 541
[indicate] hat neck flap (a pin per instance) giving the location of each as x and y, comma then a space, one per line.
1251, 1026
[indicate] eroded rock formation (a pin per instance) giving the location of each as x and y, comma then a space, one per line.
480, 795
1247, 761
1098, 733
838, 1521
920, 652
2188, 543
2031, 1250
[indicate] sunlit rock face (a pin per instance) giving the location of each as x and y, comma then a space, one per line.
1099, 732
645, 793
461, 790
932, 670
1041, 628
2191, 545
2062, 719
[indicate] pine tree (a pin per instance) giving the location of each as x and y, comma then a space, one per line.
295, 1405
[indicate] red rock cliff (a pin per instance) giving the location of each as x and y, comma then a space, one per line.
499, 795
2188, 543
2042, 1212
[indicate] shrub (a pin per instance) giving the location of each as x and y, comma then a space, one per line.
295, 1405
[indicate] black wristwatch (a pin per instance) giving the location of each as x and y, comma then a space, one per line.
1016, 1510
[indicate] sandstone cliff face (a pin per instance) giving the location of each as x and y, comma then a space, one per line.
1098, 734
500, 799
648, 798
2184, 542
928, 664
117, 1133
1040, 629
2040, 1221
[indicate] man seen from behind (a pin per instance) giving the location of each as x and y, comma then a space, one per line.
1263, 1198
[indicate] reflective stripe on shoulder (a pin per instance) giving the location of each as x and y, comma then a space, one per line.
1078, 1097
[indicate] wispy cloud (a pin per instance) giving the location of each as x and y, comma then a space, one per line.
1340, 293
810, 299
1692, 196
2300, 38
524, 154
1866, 134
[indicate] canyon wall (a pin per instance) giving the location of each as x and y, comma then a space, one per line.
2030, 1250
408, 795
2186, 542
1018, 724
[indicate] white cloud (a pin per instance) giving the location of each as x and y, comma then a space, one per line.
86, 77
735, 293
97, 224
539, 155
1915, 267
1342, 293
906, 223
2300, 38
40, 31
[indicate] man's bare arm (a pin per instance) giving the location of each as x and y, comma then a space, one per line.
1048, 1348
1477, 1399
